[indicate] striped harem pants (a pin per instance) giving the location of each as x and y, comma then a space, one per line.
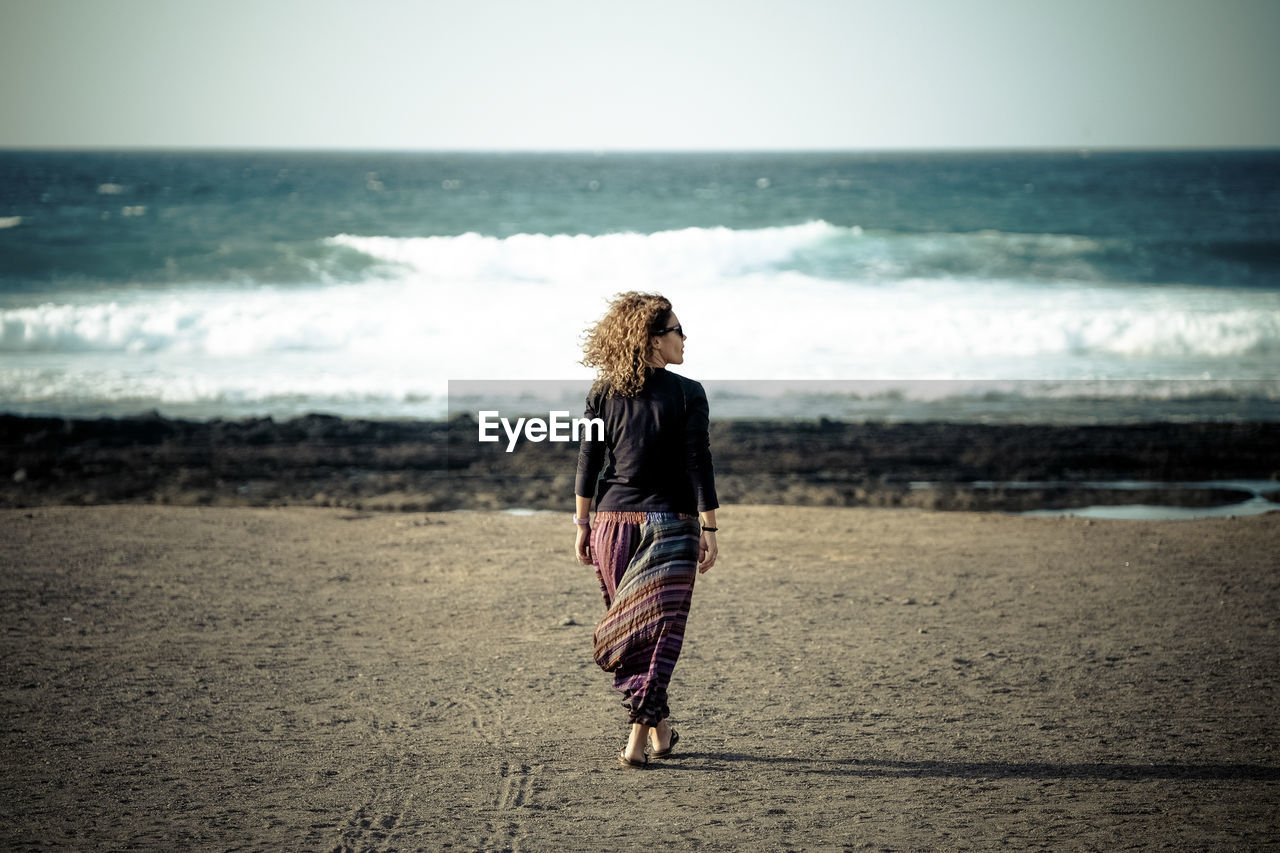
646, 563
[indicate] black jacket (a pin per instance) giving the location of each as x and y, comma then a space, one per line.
659, 457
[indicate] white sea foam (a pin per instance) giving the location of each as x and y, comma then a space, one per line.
688, 254
745, 318
478, 307
697, 254
10, 221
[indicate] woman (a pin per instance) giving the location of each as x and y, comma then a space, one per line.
657, 479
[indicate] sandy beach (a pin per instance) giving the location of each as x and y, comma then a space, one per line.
326, 679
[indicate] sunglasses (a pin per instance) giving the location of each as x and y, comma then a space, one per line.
677, 329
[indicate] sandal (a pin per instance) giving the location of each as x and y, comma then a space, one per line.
627, 762
663, 753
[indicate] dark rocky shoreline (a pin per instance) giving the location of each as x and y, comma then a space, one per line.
438, 465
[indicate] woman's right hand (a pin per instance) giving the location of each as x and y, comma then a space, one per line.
582, 546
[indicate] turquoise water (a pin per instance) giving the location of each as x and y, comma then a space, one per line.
234, 284
1263, 499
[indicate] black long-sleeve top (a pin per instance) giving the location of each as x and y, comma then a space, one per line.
659, 456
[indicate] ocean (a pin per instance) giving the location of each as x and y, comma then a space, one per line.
1059, 286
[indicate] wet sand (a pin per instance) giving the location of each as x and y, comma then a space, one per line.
327, 679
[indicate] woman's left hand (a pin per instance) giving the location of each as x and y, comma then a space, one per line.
707, 550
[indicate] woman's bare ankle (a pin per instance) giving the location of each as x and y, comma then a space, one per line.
636, 742
660, 736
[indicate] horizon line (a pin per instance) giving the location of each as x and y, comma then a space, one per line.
601, 152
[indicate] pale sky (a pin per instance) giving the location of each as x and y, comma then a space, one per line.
658, 74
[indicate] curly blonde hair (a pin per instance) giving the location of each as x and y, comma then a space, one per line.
618, 346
